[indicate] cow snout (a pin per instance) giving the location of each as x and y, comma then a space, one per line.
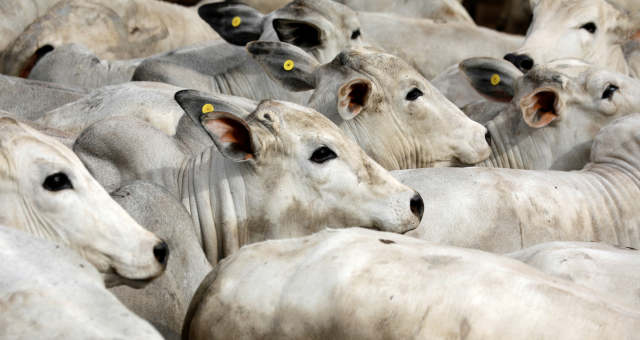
417, 206
522, 61
161, 253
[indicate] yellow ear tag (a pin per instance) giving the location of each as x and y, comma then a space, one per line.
495, 79
206, 108
288, 65
236, 21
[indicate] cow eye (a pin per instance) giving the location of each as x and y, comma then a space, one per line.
590, 27
322, 154
355, 34
608, 93
56, 182
414, 94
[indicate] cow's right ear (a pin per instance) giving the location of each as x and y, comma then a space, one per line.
289, 65
236, 23
493, 78
230, 133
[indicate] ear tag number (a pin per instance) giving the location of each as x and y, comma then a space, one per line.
288, 65
206, 108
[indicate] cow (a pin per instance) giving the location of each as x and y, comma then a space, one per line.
593, 30
282, 171
48, 291
363, 284
609, 270
504, 210
113, 29
15, 15
45, 190
555, 110
381, 102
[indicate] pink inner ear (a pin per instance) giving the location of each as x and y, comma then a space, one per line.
231, 131
358, 95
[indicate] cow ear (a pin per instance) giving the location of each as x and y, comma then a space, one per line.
230, 133
540, 108
236, 23
353, 97
493, 78
290, 66
296, 32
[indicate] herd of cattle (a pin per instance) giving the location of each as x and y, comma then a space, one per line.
318, 169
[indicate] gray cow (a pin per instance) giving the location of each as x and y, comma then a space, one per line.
283, 171
361, 284
503, 210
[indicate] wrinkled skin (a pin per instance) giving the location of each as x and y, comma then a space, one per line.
593, 30
382, 103
503, 210
46, 191
113, 29
607, 269
266, 187
47, 291
360, 284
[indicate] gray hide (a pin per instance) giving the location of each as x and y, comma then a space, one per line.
164, 301
503, 210
441, 10
15, 15
30, 99
48, 291
555, 110
262, 182
607, 269
361, 284
74, 65
223, 68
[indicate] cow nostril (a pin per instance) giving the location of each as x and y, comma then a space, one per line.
510, 58
417, 205
487, 137
526, 63
161, 252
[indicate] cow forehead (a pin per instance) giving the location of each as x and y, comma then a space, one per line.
322, 7
373, 62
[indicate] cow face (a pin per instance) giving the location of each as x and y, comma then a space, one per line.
45, 190
302, 173
321, 27
593, 30
384, 104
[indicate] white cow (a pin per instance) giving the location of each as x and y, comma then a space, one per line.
45, 190
503, 210
48, 291
15, 15
360, 284
283, 171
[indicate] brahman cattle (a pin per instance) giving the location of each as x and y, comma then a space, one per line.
45, 190
361, 284
48, 291
555, 110
283, 171
15, 15
503, 210
381, 102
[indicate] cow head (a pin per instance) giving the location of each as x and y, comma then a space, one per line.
45, 190
301, 173
593, 30
321, 27
383, 103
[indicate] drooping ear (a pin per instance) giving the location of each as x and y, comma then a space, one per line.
236, 23
296, 32
230, 133
493, 78
353, 97
290, 66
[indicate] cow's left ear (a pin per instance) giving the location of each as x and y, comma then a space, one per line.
236, 23
290, 66
493, 78
353, 97
230, 133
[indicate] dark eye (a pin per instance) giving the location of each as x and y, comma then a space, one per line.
322, 154
608, 93
590, 27
414, 94
56, 182
355, 34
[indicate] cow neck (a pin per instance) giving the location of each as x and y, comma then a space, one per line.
213, 190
